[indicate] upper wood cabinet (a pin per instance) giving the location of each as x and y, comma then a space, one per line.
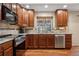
25, 17
61, 17
31, 15
20, 15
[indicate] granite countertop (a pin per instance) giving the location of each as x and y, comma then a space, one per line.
52, 32
5, 39
8, 38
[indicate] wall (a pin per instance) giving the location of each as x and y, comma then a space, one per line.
74, 27
6, 28
73, 24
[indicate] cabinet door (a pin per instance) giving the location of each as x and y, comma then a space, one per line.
31, 18
29, 41
1, 53
65, 18
20, 15
6, 45
50, 41
62, 17
68, 40
25, 17
8, 52
35, 38
42, 41
59, 18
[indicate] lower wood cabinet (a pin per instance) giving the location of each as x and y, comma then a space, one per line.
68, 40
8, 52
1, 54
42, 41
35, 41
6, 48
29, 41
1, 51
50, 41
6, 45
45, 41
39, 41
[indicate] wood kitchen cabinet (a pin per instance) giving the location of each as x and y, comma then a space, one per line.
50, 41
8, 52
31, 14
7, 48
1, 51
45, 41
25, 17
29, 41
42, 41
22, 16
36, 41
68, 40
61, 17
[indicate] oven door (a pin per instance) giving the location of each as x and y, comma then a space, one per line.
19, 40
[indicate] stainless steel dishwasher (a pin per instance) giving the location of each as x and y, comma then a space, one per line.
59, 41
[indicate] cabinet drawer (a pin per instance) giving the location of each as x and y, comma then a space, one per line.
68, 35
8, 52
6, 45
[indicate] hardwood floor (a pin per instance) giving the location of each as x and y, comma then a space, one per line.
49, 52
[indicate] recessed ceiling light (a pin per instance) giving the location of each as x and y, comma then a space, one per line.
65, 6
27, 6
46, 6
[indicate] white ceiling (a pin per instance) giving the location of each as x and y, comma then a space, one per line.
53, 7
